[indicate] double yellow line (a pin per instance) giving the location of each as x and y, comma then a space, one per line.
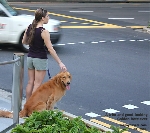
119, 123
104, 25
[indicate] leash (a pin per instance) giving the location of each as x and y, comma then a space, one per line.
49, 75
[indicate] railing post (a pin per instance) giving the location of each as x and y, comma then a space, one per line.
17, 87
21, 55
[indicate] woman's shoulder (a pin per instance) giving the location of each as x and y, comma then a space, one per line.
44, 30
45, 33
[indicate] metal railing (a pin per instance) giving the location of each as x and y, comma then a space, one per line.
17, 87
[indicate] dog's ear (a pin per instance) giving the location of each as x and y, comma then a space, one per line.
57, 78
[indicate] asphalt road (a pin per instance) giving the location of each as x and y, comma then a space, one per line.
109, 62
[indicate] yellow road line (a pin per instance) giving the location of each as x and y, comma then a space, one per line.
135, 27
25, 9
72, 18
104, 124
125, 124
100, 123
105, 25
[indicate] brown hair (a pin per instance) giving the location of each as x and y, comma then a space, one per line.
39, 13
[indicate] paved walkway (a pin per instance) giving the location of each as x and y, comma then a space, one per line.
5, 122
5, 104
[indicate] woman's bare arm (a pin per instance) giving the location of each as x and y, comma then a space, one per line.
46, 36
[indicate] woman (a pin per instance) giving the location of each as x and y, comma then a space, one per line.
37, 37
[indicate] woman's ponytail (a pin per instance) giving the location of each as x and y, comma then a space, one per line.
32, 32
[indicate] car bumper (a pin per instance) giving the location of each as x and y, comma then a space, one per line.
55, 37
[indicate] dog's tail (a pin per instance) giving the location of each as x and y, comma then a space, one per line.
6, 114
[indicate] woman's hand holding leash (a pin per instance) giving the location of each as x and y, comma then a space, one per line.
62, 67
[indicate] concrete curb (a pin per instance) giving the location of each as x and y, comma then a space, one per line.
87, 122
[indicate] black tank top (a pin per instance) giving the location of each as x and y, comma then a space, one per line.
38, 48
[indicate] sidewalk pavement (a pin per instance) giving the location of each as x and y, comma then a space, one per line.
5, 104
5, 122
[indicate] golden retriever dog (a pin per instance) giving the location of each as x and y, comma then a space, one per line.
45, 97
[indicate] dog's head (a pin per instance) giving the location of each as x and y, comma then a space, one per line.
64, 78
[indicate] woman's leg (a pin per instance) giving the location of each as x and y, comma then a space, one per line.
39, 77
31, 78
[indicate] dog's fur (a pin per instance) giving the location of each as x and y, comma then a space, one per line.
45, 97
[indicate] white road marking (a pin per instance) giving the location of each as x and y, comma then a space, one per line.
74, 22
143, 11
61, 44
71, 43
110, 110
122, 40
102, 41
140, 40
146, 102
129, 106
84, 23
82, 42
91, 114
94, 42
63, 21
97, 42
132, 40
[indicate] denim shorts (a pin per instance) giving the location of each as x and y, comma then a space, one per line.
37, 64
